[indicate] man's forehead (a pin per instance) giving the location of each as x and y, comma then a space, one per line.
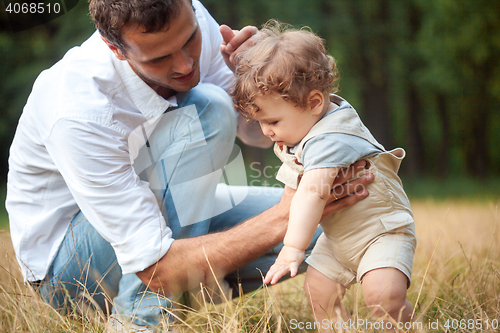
165, 41
139, 27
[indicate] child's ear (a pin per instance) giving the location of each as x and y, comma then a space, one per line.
316, 101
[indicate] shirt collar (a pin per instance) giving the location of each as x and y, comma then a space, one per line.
149, 103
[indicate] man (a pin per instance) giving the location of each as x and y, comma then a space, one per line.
112, 187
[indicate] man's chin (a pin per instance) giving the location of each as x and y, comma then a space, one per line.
173, 86
167, 91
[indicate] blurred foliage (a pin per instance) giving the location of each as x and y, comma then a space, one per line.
423, 74
24, 55
4, 220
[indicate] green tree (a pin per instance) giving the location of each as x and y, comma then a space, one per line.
24, 55
459, 42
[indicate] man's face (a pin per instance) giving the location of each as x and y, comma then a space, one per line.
169, 60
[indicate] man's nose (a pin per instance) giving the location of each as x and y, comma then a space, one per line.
183, 63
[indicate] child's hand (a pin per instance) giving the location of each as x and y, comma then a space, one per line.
288, 260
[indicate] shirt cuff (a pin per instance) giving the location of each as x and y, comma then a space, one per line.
148, 245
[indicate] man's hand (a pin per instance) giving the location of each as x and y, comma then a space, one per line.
234, 42
345, 193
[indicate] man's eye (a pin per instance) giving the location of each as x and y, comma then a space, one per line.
158, 61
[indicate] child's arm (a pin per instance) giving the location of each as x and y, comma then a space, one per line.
305, 214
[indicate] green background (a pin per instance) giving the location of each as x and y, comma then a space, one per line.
423, 75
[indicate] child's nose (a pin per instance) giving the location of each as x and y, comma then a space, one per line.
265, 129
267, 132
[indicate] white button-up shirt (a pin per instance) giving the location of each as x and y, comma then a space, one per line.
70, 153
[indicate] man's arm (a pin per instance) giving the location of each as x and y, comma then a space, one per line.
186, 263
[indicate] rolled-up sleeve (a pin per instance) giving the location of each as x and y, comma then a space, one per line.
105, 186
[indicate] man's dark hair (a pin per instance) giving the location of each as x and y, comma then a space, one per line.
110, 16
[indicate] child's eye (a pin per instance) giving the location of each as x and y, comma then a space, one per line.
273, 122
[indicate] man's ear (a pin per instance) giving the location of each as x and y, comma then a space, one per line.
115, 50
316, 101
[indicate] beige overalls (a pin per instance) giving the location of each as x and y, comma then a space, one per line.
374, 233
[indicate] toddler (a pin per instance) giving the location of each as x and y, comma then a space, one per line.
286, 82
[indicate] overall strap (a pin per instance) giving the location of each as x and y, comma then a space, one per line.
345, 120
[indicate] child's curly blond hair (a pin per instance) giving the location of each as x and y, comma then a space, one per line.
285, 61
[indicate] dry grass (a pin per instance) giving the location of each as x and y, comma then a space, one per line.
456, 280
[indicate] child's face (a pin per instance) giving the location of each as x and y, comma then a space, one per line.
282, 121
